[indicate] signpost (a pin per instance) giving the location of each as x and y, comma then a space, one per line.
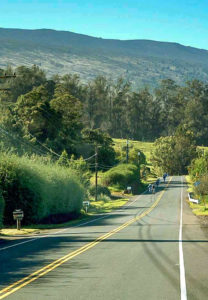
18, 215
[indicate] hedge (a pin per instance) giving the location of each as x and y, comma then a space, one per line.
121, 175
40, 190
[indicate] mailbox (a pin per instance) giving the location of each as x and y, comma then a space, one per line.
18, 215
86, 204
129, 189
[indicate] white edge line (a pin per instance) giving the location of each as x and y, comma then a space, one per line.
181, 259
57, 232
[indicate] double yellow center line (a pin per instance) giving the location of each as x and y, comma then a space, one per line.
43, 271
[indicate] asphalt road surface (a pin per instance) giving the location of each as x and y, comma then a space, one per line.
153, 248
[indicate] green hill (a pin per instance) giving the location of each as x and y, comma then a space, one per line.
143, 62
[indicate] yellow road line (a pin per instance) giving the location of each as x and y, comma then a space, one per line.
41, 272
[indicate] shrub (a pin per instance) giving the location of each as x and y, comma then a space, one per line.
103, 198
40, 190
121, 175
199, 166
100, 190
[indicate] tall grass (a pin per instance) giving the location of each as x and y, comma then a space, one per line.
39, 189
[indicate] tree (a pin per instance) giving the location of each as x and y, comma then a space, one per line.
121, 94
196, 110
69, 111
171, 108
141, 109
27, 78
63, 159
173, 154
97, 103
103, 142
34, 115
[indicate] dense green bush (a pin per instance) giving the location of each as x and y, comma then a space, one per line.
38, 189
199, 166
121, 175
100, 190
1, 208
198, 170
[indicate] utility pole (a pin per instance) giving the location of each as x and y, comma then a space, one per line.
5, 76
127, 151
96, 171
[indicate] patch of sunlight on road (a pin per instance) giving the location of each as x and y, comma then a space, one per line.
14, 231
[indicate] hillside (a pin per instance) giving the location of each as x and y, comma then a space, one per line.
141, 61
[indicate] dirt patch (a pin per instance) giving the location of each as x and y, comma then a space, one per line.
203, 220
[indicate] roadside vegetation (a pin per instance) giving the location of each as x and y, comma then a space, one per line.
56, 134
51, 192
198, 209
198, 182
43, 190
121, 176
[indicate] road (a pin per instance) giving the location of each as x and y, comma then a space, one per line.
153, 248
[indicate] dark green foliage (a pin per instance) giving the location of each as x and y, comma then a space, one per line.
26, 80
121, 175
1, 209
100, 190
104, 145
15, 184
40, 190
53, 113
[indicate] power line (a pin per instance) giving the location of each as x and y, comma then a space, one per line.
23, 142
5, 76
90, 157
51, 151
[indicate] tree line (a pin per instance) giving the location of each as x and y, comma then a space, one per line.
55, 111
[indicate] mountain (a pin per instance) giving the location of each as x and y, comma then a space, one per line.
143, 62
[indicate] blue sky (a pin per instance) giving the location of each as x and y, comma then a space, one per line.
182, 21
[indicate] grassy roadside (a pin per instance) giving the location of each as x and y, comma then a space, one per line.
95, 208
197, 209
106, 207
119, 198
